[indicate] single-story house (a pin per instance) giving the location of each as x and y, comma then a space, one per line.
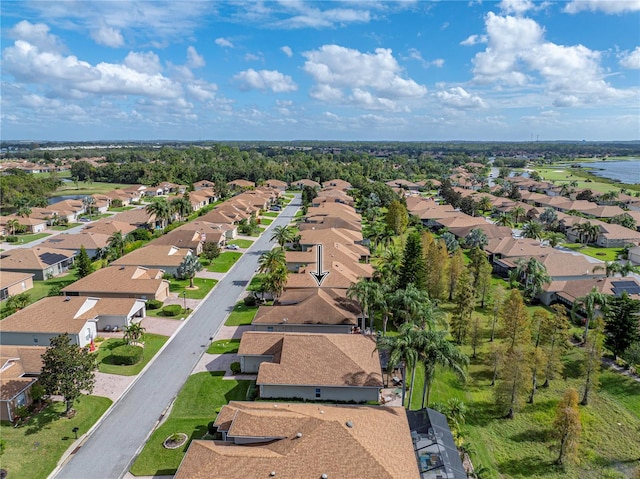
293, 441
314, 310
313, 367
241, 184
12, 283
79, 317
340, 277
32, 224
566, 292
165, 257
560, 266
277, 184
634, 255
198, 185
300, 184
92, 242
19, 368
122, 282
108, 226
44, 263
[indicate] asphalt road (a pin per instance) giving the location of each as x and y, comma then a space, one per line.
110, 449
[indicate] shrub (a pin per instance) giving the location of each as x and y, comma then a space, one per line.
140, 234
172, 310
55, 290
126, 355
154, 304
11, 239
235, 367
250, 300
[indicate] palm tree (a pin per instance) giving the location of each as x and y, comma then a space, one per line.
117, 242
532, 274
587, 232
271, 260
608, 197
282, 235
161, 209
404, 352
589, 304
532, 230
410, 305
518, 212
389, 266
362, 292
89, 202
505, 219
554, 238
24, 211
476, 238
13, 225
549, 217
613, 268
133, 333
484, 204
182, 206
436, 350
188, 268
276, 281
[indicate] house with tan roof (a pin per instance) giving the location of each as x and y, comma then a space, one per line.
560, 266
296, 260
337, 183
304, 441
313, 367
332, 196
122, 282
14, 283
460, 220
32, 225
300, 184
241, 184
340, 276
20, 367
92, 242
108, 226
313, 310
79, 317
325, 222
510, 247
335, 209
137, 217
567, 292
164, 257
277, 184
492, 231
43, 263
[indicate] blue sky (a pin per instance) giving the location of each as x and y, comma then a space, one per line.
513, 70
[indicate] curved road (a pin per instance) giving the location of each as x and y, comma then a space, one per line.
114, 443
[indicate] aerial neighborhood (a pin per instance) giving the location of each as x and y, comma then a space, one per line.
389, 326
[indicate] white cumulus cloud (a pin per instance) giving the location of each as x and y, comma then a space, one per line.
605, 6
631, 60
458, 97
474, 40
142, 62
108, 36
517, 7
194, 60
265, 80
37, 34
287, 51
223, 42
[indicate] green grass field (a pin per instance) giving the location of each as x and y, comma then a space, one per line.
562, 174
192, 411
204, 285
265, 221
604, 254
224, 346
41, 288
85, 188
224, 262
65, 227
120, 209
152, 344
28, 238
270, 214
34, 449
241, 315
241, 243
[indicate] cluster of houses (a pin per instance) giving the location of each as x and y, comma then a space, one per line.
572, 274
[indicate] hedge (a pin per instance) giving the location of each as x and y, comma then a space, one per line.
154, 304
235, 367
172, 310
126, 355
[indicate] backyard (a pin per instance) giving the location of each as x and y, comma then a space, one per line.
195, 407
604, 254
34, 449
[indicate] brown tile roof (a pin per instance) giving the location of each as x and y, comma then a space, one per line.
89, 240
324, 222
29, 357
35, 258
343, 360
276, 183
340, 276
560, 264
114, 279
329, 235
9, 278
335, 209
461, 219
11, 387
137, 216
305, 182
154, 256
572, 290
376, 443
242, 183
108, 226
508, 247
491, 230
316, 306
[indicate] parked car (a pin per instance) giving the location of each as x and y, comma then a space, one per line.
233, 246
276, 208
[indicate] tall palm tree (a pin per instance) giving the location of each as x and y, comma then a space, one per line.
613, 268
476, 238
608, 197
117, 242
403, 352
24, 211
589, 304
133, 333
362, 293
549, 217
89, 202
12, 226
161, 209
436, 350
412, 305
532, 230
271, 260
505, 219
518, 212
484, 204
282, 235
533, 275
389, 266
182, 206
554, 238
276, 281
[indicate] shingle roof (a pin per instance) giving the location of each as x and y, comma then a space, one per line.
89, 240
36, 258
344, 360
114, 279
155, 256
376, 444
9, 278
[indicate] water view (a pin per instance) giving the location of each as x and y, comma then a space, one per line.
627, 171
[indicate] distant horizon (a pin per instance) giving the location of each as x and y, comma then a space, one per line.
507, 71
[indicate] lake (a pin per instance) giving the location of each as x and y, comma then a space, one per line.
627, 171
56, 199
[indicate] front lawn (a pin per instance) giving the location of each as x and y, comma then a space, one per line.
194, 408
603, 254
65, 227
28, 238
204, 285
152, 344
224, 262
224, 346
265, 221
241, 315
270, 214
241, 243
95, 217
34, 449
120, 209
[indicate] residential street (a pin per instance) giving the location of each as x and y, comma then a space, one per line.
110, 449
